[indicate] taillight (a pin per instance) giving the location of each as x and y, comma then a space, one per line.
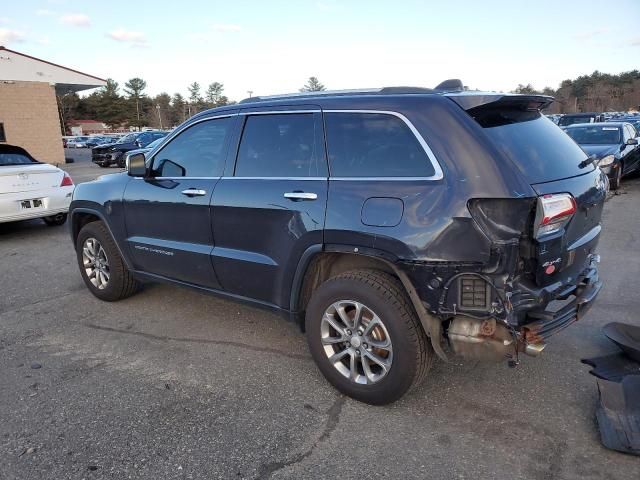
553, 213
66, 181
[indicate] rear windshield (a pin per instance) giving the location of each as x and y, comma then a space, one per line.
538, 148
14, 159
595, 135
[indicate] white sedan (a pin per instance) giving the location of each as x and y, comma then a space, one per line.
31, 189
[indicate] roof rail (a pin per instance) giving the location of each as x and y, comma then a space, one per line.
451, 85
321, 93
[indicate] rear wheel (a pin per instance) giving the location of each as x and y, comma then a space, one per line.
366, 338
103, 269
55, 220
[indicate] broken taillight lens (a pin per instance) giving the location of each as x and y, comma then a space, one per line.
66, 181
553, 213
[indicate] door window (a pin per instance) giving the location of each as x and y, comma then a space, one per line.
197, 151
374, 145
281, 145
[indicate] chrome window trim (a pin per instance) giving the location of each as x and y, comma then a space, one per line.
275, 178
438, 174
276, 112
177, 178
233, 178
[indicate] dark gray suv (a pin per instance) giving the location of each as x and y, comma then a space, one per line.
395, 225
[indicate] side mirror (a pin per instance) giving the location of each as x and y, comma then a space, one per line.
138, 143
136, 167
632, 141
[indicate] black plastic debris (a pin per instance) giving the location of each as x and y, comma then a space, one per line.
619, 414
618, 379
613, 367
626, 336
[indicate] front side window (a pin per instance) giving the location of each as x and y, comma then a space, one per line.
280, 145
374, 145
198, 151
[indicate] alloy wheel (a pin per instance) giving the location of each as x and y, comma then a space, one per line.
95, 263
356, 342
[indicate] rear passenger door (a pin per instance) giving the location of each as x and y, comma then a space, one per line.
270, 206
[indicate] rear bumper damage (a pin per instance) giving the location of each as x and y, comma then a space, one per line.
521, 323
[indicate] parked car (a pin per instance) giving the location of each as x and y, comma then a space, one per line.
94, 141
77, 142
114, 154
572, 118
395, 225
31, 189
613, 145
633, 120
144, 150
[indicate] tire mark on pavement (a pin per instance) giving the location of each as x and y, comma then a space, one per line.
266, 471
165, 338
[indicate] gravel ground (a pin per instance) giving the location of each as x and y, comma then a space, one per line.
175, 384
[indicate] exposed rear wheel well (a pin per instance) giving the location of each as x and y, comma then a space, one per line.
79, 220
325, 265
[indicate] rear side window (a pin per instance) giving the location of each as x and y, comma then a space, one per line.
374, 145
281, 145
198, 151
538, 148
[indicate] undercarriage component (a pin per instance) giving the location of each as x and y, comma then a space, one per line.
485, 340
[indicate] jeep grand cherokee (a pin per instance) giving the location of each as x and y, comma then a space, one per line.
395, 225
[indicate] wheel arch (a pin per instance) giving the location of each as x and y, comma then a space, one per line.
318, 265
82, 216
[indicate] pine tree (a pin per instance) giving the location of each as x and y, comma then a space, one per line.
313, 85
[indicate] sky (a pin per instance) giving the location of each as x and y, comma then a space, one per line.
273, 46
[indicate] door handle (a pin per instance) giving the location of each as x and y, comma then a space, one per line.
301, 196
194, 192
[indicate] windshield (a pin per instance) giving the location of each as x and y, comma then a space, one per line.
537, 147
128, 138
14, 159
595, 135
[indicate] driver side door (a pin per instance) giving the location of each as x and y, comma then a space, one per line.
167, 213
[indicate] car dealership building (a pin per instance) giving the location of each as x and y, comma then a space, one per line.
29, 115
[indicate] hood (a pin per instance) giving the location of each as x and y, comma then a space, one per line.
600, 151
139, 150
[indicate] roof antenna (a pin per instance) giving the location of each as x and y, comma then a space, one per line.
451, 85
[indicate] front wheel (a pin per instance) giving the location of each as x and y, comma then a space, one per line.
103, 269
365, 337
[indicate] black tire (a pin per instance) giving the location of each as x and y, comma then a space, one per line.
615, 182
386, 296
121, 283
55, 220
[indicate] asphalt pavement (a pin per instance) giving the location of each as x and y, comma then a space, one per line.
171, 383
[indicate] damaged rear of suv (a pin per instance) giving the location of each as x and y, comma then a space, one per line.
395, 225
